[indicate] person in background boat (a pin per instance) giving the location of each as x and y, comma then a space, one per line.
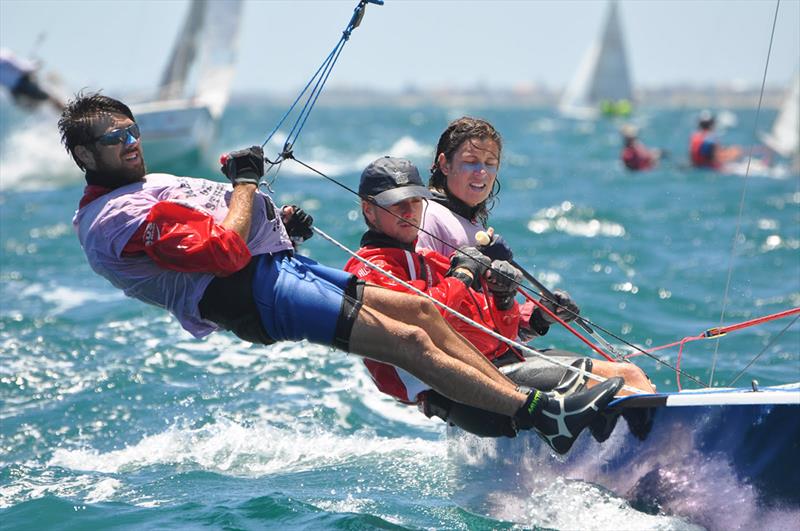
704, 148
392, 204
19, 77
635, 155
220, 256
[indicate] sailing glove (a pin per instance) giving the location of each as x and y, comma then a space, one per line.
298, 224
245, 166
497, 249
471, 259
563, 306
503, 280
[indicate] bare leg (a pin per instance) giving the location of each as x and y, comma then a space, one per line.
633, 375
380, 337
420, 312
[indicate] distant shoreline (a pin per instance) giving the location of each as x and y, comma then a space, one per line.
666, 97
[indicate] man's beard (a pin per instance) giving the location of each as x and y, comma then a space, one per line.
118, 177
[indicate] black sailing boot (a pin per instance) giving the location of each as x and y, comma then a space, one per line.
560, 419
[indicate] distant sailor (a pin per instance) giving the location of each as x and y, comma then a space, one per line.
19, 77
220, 256
704, 148
635, 155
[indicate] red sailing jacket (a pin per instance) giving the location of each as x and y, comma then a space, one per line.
701, 150
187, 240
425, 270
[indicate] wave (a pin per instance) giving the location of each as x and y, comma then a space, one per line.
229, 447
32, 158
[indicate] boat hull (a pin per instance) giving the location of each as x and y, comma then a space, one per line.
175, 136
708, 462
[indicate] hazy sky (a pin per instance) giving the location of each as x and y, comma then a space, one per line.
121, 46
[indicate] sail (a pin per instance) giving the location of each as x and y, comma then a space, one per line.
201, 66
784, 138
603, 75
218, 54
184, 52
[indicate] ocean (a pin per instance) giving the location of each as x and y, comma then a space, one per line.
113, 417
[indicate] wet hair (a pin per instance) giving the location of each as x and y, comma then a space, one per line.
460, 131
80, 114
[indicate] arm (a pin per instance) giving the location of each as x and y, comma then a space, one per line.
241, 210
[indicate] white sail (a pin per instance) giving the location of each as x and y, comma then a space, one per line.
184, 53
784, 139
603, 75
181, 121
218, 53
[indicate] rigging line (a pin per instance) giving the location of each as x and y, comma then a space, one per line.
464, 318
321, 77
742, 199
522, 287
763, 350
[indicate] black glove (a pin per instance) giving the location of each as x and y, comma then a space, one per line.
471, 259
566, 309
497, 249
298, 224
503, 281
245, 166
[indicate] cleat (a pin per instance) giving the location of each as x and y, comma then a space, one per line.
558, 420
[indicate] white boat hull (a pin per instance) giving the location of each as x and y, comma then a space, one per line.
174, 134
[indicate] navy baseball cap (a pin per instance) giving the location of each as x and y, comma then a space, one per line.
389, 180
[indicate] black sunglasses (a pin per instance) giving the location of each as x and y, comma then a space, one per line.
119, 136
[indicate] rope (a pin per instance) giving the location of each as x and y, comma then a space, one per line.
742, 200
763, 350
319, 79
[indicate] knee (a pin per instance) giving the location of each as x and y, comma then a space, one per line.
426, 309
415, 337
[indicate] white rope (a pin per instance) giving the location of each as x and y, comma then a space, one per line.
507, 341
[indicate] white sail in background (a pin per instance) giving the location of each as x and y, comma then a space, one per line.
603, 75
201, 66
218, 54
784, 139
184, 52
180, 123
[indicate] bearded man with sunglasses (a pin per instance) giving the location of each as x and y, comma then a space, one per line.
220, 256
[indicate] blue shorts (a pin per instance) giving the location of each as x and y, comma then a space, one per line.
298, 298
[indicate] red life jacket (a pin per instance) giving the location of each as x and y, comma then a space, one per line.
425, 271
702, 157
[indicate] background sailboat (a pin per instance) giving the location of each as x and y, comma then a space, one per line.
784, 138
602, 83
179, 125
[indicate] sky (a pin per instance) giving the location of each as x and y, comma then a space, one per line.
122, 46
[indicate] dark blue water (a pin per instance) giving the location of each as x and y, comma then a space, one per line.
112, 417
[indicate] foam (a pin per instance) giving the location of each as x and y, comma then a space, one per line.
33, 158
229, 447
